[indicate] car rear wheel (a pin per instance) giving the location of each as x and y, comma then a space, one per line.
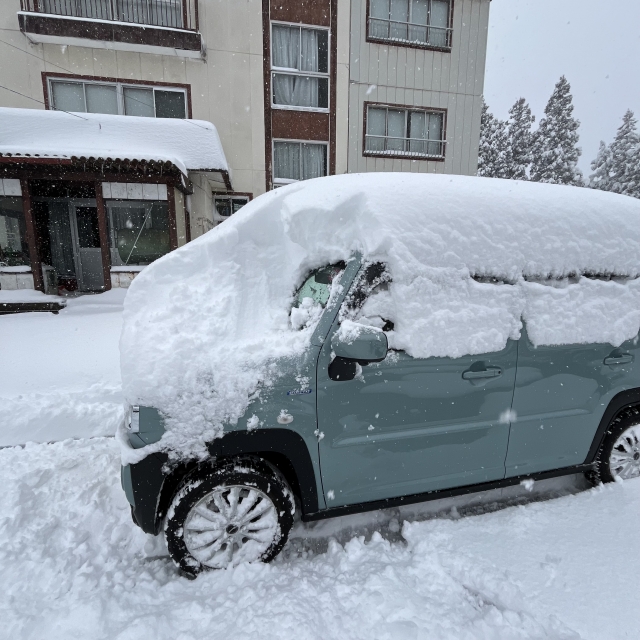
619, 455
239, 511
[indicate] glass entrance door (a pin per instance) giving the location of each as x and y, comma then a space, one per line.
86, 240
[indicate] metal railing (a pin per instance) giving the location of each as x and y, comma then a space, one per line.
414, 147
177, 14
420, 34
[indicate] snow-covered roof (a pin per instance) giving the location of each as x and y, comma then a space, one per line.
191, 145
215, 314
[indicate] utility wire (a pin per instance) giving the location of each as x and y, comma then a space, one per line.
40, 102
53, 64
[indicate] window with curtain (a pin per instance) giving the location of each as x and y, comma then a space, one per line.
293, 161
394, 131
419, 22
300, 67
117, 99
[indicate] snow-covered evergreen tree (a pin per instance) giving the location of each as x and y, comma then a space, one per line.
601, 167
520, 140
617, 166
493, 157
555, 148
625, 158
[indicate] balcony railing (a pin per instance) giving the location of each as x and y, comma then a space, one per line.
177, 14
404, 147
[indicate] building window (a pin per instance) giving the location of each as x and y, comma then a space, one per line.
404, 132
226, 205
14, 251
139, 231
293, 161
300, 67
418, 22
117, 98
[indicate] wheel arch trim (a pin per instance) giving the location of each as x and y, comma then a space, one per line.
154, 487
620, 402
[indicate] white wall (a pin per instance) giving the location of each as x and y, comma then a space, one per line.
226, 88
419, 77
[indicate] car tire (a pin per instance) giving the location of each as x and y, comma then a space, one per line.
238, 510
619, 453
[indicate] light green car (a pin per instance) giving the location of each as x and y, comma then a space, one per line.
370, 428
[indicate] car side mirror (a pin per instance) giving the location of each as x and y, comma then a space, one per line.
358, 344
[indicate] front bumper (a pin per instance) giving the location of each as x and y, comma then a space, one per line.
142, 484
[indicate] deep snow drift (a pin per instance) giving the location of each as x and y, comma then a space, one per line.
60, 374
203, 325
74, 566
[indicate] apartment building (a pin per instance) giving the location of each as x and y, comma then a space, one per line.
294, 89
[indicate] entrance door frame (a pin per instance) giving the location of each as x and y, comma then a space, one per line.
74, 203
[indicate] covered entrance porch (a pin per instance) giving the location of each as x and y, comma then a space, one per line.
86, 203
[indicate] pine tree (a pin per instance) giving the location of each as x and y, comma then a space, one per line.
520, 140
601, 166
555, 148
617, 166
625, 152
493, 157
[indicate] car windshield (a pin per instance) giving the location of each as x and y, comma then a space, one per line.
318, 285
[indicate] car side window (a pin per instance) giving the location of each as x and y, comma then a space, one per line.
312, 297
370, 301
318, 285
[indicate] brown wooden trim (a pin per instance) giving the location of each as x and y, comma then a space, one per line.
300, 125
104, 237
227, 180
232, 194
70, 170
36, 265
369, 154
266, 71
292, 123
150, 83
333, 72
185, 17
409, 45
311, 12
173, 228
108, 31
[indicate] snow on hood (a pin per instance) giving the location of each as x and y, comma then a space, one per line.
190, 145
204, 324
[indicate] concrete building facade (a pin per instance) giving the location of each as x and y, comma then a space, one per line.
294, 88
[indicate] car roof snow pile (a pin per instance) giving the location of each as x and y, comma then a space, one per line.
469, 259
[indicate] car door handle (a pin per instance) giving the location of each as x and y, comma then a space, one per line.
489, 372
624, 358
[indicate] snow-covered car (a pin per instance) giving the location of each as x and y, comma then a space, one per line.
364, 341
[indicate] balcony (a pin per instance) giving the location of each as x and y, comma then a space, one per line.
150, 26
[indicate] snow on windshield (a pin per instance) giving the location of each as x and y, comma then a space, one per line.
205, 325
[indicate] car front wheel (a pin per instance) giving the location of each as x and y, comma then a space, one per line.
239, 511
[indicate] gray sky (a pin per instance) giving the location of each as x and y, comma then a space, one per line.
595, 44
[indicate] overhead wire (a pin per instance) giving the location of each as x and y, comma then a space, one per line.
53, 64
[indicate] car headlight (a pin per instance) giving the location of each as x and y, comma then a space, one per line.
133, 419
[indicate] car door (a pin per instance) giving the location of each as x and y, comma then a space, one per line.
560, 396
410, 425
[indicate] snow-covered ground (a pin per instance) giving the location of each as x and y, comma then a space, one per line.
72, 565
60, 374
